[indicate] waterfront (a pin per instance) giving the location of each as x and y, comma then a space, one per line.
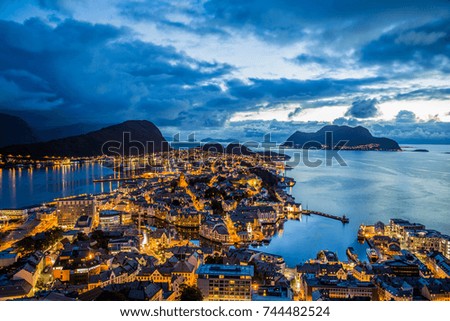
31, 186
374, 186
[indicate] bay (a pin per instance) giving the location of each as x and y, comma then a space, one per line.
374, 186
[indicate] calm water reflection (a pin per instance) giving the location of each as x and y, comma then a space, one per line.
24, 187
374, 186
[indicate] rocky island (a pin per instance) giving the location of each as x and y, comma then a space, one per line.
341, 137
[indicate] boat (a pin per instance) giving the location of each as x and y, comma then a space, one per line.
361, 236
372, 255
351, 254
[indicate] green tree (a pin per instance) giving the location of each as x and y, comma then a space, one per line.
190, 293
101, 238
26, 244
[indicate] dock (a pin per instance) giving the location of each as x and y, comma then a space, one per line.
344, 219
117, 179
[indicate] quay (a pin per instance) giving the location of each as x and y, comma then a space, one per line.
344, 219
112, 179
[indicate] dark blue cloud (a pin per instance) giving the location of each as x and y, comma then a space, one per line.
308, 59
404, 129
298, 89
295, 112
55, 5
160, 12
413, 132
363, 108
286, 21
425, 94
405, 116
427, 46
346, 121
99, 72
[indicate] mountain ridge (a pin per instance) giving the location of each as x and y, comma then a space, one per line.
357, 138
135, 136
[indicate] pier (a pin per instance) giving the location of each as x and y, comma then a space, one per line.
117, 179
344, 219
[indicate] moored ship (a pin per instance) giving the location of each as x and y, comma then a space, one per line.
351, 254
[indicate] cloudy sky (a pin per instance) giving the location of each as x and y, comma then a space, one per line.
230, 68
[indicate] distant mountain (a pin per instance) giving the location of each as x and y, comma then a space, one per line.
219, 140
14, 130
239, 149
358, 138
133, 137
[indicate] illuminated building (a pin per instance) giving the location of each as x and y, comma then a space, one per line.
109, 219
14, 214
69, 210
220, 282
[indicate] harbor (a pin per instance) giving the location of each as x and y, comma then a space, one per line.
344, 219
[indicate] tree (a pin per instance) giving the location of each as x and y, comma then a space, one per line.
190, 293
216, 259
101, 239
26, 244
82, 237
217, 207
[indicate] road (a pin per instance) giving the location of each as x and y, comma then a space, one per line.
30, 227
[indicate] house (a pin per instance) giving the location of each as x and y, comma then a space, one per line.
32, 269
159, 238
7, 258
186, 270
15, 289
118, 275
214, 229
28, 273
125, 244
439, 264
436, 289
336, 288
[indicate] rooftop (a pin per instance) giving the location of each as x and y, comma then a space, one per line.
226, 270
109, 213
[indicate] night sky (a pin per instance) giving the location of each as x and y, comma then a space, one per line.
234, 69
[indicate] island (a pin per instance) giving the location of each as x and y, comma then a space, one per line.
342, 138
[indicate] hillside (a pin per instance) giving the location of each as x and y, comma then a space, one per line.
133, 137
358, 138
14, 130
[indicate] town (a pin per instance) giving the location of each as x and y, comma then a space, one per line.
188, 226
